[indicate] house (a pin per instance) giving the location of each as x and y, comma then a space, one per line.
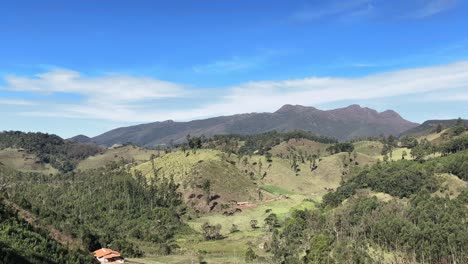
107, 255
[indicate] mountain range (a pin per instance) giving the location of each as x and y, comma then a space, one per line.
343, 124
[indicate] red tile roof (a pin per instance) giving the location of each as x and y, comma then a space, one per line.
112, 255
104, 252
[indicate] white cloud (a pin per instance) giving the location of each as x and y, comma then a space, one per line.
15, 102
259, 96
111, 88
461, 97
269, 96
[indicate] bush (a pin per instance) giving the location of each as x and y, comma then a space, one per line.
250, 255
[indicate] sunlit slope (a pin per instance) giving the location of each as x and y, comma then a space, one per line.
303, 145
127, 153
370, 148
23, 161
193, 169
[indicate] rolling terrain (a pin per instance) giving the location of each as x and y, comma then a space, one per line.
264, 198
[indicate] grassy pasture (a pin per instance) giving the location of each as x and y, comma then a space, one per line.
22, 161
127, 153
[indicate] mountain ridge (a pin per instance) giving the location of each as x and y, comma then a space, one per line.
342, 123
430, 125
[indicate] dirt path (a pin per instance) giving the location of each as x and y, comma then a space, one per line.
54, 233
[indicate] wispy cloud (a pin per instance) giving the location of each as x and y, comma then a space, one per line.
461, 97
15, 102
239, 63
110, 88
227, 66
363, 65
433, 7
351, 8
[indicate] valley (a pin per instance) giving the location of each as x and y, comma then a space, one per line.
235, 198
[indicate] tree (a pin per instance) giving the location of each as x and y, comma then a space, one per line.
438, 128
271, 222
423, 149
206, 186
250, 255
253, 224
211, 232
234, 228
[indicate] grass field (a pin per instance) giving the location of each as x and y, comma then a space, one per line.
450, 185
282, 208
22, 161
370, 148
275, 190
304, 145
191, 169
280, 173
127, 153
397, 154
178, 163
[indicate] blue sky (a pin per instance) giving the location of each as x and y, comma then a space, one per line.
84, 67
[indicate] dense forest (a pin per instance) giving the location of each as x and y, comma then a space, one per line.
21, 243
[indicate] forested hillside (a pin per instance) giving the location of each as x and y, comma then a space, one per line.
107, 206
353, 227
20, 243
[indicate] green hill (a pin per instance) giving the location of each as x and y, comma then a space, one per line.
194, 169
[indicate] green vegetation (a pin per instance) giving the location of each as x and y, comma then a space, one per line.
275, 189
49, 149
341, 147
129, 154
370, 148
261, 143
268, 198
20, 243
426, 228
23, 161
103, 207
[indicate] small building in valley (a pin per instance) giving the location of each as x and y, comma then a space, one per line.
107, 255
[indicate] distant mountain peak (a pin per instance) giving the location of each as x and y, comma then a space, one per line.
288, 108
390, 114
355, 106
80, 139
